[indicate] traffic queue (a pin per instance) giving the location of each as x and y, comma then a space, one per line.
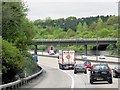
98, 71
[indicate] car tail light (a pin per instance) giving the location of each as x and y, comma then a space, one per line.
93, 71
116, 70
109, 71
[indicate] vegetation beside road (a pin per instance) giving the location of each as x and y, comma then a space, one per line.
17, 33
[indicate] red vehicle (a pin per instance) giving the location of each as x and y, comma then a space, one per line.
116, 71
87, 64
51, 48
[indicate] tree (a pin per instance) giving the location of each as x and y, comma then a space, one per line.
85, 26
16, 28
99, 24
17, 33
113, 20
79, 28
70, 33
12, 61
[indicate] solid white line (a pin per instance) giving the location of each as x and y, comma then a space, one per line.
72, 85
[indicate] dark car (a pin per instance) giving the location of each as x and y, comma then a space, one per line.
80, 68
87, 64
100, 72
116, 71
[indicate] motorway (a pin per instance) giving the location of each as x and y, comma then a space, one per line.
109, 59
53, 77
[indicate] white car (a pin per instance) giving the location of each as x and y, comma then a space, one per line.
51, 52
101, 57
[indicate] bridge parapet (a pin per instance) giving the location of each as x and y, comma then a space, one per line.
78, 41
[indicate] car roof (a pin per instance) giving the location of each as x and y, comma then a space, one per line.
100, 64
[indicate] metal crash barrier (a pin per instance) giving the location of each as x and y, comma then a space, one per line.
19, 83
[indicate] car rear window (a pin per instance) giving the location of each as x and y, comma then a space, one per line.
80, 65
100, 67
87, 62
118, 67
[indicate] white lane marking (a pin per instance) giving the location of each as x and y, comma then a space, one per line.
72, 84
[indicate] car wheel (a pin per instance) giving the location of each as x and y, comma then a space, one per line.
59, 66
114, 75
91, 81
85, 72
75, 72
110, 81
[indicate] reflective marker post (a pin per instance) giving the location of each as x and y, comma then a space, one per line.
36, 58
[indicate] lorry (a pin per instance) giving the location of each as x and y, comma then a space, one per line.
66, 59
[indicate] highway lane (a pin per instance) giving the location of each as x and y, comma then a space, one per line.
54, 78
51, 77
66, 78
111, 59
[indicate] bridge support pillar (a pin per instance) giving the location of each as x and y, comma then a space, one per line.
86, 50
35, 52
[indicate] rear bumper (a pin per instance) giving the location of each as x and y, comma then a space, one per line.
118, 74
95, 77
69, 66
80, 70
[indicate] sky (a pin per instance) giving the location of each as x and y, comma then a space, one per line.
41, 9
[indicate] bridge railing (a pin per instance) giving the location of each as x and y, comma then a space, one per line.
79, 39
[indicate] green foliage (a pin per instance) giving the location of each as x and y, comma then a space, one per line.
70, 33
16, 28
12, 61
118, 47
31, 66
71, 27
17, 33
15, 62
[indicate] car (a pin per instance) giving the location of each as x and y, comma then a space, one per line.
101, 57
100, 72
87, 64
51, 52
80, 68
116, 71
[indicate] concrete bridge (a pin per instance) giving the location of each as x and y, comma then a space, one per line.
83, 41
78, 41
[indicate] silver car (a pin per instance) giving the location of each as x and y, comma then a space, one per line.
80, 68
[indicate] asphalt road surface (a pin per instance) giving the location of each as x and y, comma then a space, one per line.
53, 77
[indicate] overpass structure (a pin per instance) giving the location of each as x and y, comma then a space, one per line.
82, 41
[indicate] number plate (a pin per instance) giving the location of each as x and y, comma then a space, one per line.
104, 72
99, 78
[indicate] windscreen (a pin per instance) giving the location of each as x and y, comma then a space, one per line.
100, 67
